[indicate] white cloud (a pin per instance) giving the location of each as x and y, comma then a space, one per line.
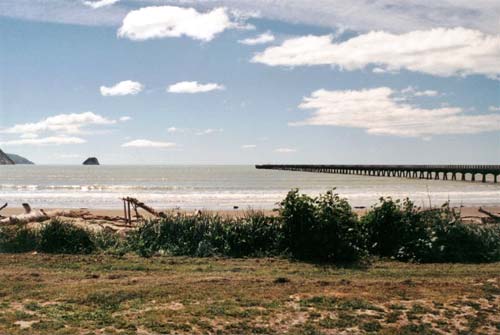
412, 91
195, 131
127, 87
173, 130
100, 3
358, 15
125, 118
285, 150
209, 131
249, 146
194, 87
441, 52
261, 39
379, 112
51, 140
62, 123
28, 135
427, 93
141, 143
169, 21
494, 108
378, 70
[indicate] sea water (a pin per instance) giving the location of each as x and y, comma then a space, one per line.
216, 187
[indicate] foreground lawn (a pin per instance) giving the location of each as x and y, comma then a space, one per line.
47, 294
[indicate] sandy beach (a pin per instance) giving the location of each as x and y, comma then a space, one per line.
469, 211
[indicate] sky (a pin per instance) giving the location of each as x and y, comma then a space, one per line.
248, 82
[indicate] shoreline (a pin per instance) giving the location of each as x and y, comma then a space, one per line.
466, 211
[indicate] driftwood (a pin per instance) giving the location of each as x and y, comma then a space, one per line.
27, 208
3, 206
128, 201
32, 216
494, 217
37, 215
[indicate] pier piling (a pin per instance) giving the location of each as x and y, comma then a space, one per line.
436, 172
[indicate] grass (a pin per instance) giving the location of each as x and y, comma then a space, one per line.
87, 294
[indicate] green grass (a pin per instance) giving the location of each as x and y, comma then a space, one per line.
85, 294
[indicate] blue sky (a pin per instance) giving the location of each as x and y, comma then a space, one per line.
336, 89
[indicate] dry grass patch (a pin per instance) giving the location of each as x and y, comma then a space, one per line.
61, 294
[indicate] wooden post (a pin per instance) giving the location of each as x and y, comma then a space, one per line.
27, 208
128, 210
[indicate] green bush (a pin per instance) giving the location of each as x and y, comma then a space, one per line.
208, 235
323, 228
392, 225
18, 239
64, 238
406, 232
253, 235
448, 239
109, 242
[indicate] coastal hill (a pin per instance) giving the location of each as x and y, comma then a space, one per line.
5, 159
19, 159
91, 161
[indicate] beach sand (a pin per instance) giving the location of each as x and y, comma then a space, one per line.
469, 211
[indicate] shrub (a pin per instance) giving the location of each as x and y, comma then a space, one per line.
253, 235
448, 239
18, 239
109, 242
391, 225
208, 235
64, 238
403, 231
323, 228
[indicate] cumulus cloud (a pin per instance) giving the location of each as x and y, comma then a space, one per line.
285, 150
170, 21
125, 118
127, 87
440, 52
141, 143
358, 15
249, 146
51, 140
261, 39
62, 123
194, 87
494, 108
100, 3
378, 111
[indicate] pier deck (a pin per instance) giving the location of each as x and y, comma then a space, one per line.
436, 172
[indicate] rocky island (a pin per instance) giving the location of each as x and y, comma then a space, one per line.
91, 161
5, 159
19, 159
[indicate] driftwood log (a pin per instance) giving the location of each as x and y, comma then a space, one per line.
37, 215
493, 217
32, 216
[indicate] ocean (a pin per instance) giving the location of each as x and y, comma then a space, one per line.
215, 187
